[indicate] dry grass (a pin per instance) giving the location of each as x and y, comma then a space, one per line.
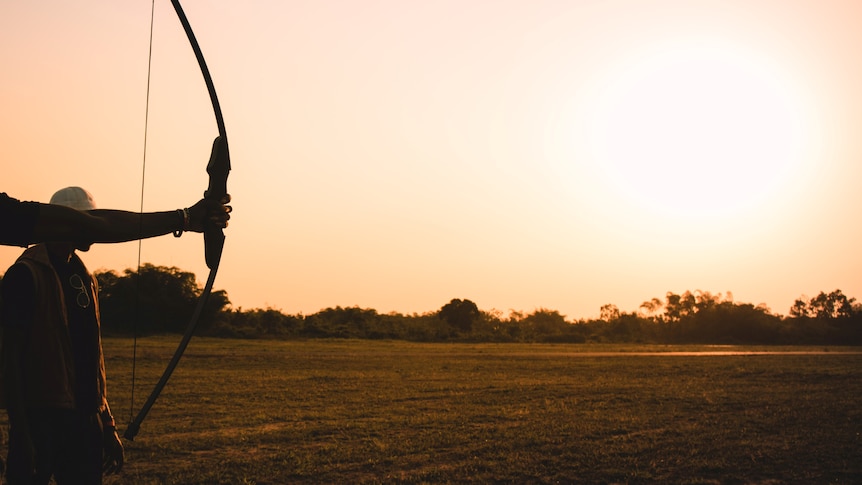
263, 412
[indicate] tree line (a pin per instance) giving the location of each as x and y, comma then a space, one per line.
158, 299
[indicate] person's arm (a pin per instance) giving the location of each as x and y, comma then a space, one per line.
62, 224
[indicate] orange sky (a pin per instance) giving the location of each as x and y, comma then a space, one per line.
395, 155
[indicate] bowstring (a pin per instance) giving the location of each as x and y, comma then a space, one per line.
141, 218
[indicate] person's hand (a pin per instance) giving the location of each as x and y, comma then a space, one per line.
208, 211
114, 453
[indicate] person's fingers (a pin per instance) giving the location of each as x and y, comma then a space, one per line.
112, 465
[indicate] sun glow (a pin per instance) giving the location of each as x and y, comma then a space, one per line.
701, 129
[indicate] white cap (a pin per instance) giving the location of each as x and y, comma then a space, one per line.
74, 197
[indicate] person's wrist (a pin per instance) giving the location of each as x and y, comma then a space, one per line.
183, 215
108, 422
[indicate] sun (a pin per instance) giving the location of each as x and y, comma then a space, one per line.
701, 129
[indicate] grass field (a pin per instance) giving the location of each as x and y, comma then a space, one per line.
264, 412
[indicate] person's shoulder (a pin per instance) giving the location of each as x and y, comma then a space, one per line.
18, 271
19, 293
17, 280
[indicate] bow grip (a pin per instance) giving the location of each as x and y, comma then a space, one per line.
218, 168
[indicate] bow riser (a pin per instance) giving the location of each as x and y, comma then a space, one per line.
218, 169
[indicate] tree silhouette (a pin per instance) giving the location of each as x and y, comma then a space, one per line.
154, 299
460, 314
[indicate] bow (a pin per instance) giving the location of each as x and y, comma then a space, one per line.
217, 168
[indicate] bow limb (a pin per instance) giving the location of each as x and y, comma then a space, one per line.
218, 169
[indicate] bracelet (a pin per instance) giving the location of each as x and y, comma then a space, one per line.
183, 222
184, 218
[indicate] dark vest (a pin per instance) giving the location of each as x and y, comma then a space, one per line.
49, 370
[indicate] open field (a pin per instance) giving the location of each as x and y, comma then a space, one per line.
266, 412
